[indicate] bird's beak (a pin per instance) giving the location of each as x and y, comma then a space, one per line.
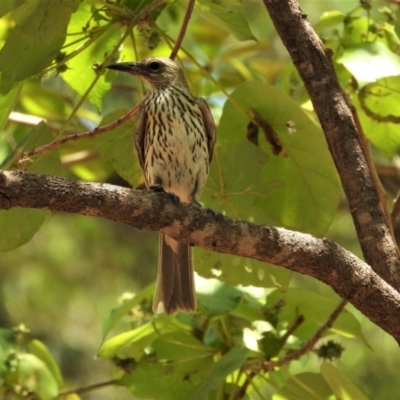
124, 66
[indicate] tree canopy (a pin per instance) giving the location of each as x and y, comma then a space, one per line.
298, 266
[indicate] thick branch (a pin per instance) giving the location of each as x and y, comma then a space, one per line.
317, 72
351, 278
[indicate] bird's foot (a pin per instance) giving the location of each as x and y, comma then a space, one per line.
217, 215
157, 188
173, 197
160, 189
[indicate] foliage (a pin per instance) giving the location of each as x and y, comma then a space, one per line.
52, 65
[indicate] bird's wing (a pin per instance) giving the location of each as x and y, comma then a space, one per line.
139, 135
209, 125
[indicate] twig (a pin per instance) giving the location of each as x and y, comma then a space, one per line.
295, 355
89, 388
297, 323
270, 365
387, 170
182, 31
76, 136
242, 390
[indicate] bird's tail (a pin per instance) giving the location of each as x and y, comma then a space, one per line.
175, 282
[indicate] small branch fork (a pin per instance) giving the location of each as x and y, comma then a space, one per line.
26, 156
267, 366
309, 345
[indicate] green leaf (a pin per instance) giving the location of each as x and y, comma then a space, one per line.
17, 66
129, 344
369, 62
81, 75
232, 186
7, 341
249, 309
183, 350
38, 349
43, 20
42, 102
119, 312
33, 375
117, 148
229, 363
23, 223
304, 386
36, 39
298, 188
341, 386
218, 298
164, 380
7, 346
392, 39
230, 14
176, 364
239, 270
356, 30
378, 110
329, 19
7, 103
9, 5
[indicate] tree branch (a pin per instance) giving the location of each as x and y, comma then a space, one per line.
182, 31
315, 67
322, 259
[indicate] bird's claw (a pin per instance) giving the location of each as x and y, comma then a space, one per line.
173, 197
160, 189
157, 188
217, 215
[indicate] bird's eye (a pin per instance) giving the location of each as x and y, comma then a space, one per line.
154, 66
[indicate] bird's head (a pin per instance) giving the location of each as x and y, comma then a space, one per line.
158, 72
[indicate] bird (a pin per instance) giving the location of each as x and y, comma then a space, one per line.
175, 136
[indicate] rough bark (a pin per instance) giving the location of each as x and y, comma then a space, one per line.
314, 65
324, 260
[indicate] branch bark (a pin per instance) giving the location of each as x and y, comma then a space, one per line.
315, 67
322, 259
